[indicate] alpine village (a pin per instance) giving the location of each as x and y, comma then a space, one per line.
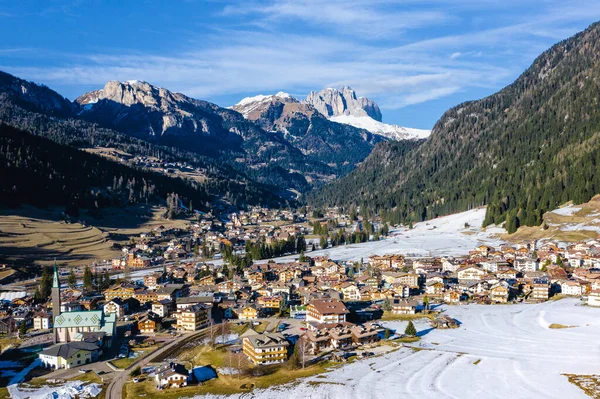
153, 244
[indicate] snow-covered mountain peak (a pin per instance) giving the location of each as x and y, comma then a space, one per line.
257, 103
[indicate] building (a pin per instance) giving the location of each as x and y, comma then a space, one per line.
499, 294
123, 291
571, 288
116, 306
42, 321
193, 318
69, 355
172, 375
271, 304
364, 334
70, 326
248, 313
326, 311
434, 288
471, 273
404, 306
594, 298
266, 348
55, 294
162, 308
541, 290
527, 264
451, 297
147, 325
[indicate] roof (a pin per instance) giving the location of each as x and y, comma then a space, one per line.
169, 289
329, 306
90, 318
69, 349
267, 340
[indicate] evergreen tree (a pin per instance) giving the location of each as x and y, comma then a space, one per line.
410, 330
22, 328
46, 283
323, 242
88, 280
72, 280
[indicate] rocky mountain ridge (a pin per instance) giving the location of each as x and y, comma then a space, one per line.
333, 102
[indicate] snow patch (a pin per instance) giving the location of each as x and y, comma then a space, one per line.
443, 236
70, 390
568, 210
393, 132
249, 104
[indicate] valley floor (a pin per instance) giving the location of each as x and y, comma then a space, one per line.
499, 351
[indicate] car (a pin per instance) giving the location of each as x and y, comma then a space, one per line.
302, 328
83, 371
136, 380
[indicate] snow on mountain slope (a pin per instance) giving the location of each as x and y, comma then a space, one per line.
338, 106
249, 104
392, 132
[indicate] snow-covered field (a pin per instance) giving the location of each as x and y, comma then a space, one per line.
69, 390
443, 236
503, 351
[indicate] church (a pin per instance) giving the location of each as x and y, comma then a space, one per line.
80, 325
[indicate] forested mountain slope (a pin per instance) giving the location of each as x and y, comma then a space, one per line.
522, 151
41, 111
39, 172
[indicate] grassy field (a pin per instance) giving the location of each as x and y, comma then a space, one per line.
556, 326
226, 384
6, 342
408, 340
6, 273
28, 233
128, 361
590, 384
32, 234
588, 215
218, 357
406, 317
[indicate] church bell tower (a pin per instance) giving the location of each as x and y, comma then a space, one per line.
55, 294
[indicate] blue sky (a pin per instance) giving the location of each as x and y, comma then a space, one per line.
415, 58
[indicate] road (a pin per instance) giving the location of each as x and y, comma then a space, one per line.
115, 388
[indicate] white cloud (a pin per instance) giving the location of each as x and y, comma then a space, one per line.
370, 19
411, 62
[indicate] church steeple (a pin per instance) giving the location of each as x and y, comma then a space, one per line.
55, 293
55, 283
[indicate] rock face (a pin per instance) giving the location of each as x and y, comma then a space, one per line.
153, 113
341, 146
333, 102
274, 139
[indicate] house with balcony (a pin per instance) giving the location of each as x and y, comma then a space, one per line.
268, 348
